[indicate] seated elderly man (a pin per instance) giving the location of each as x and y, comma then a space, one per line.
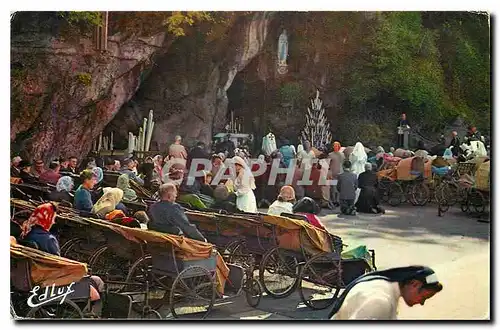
128, 168
168, 217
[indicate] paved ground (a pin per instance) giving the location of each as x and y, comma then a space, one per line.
455, 246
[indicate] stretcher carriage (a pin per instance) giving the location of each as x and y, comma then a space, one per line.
407, 181
324, 275
151, 269
276, 245
37, 278
468, 186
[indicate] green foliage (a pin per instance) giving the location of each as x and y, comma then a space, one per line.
291, 92
17, 73
84, 78
370, 133
93, 18
434, 72
179, 20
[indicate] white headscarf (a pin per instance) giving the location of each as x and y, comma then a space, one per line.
108, 201
245, 176
358, 158
300, 148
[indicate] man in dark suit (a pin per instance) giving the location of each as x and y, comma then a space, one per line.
455, 143
403, 122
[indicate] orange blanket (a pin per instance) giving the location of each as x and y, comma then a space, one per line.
47, 269
313, 239
405, 166
185, 248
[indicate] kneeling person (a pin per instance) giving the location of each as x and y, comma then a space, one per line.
346, 186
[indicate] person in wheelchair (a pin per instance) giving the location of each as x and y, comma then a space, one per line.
307, 207
37, 229
206, 188
26, 174
83, 196
109, 201
63, 188
168, 217
284, 202
224, 200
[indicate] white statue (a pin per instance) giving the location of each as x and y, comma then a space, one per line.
269, 144
283, 48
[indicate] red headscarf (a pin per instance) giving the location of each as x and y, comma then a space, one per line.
43, 216
336, 146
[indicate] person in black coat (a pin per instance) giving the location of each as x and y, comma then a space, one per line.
368, 201
455, 143
402, 122
146, 169
421, 146
25, 173
227, 147
206, 188
197, 152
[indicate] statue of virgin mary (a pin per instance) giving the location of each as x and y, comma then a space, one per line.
282, 48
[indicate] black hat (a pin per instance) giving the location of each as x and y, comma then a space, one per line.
24, 163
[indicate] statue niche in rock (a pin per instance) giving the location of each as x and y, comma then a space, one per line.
282, 53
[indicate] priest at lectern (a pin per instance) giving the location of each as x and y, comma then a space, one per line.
403, 132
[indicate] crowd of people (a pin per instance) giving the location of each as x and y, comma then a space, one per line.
352, 171
232, 182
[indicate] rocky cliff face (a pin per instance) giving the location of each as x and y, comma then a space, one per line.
188, 88
65, 92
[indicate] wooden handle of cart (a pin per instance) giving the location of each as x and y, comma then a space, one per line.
373, 259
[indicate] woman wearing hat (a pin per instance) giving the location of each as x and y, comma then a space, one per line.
376, 295
244, 184
284, 203
26, 175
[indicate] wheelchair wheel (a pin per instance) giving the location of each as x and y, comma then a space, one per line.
477, 201
443, 207
106, 264
159, 288
239, 256
193, 293
320, 281
420, 194
253, 292
150, 314
395, 194
67, 310
383, 190
68, 249
279, 273
450, 193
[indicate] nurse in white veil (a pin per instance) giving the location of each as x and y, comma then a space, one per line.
244, 185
